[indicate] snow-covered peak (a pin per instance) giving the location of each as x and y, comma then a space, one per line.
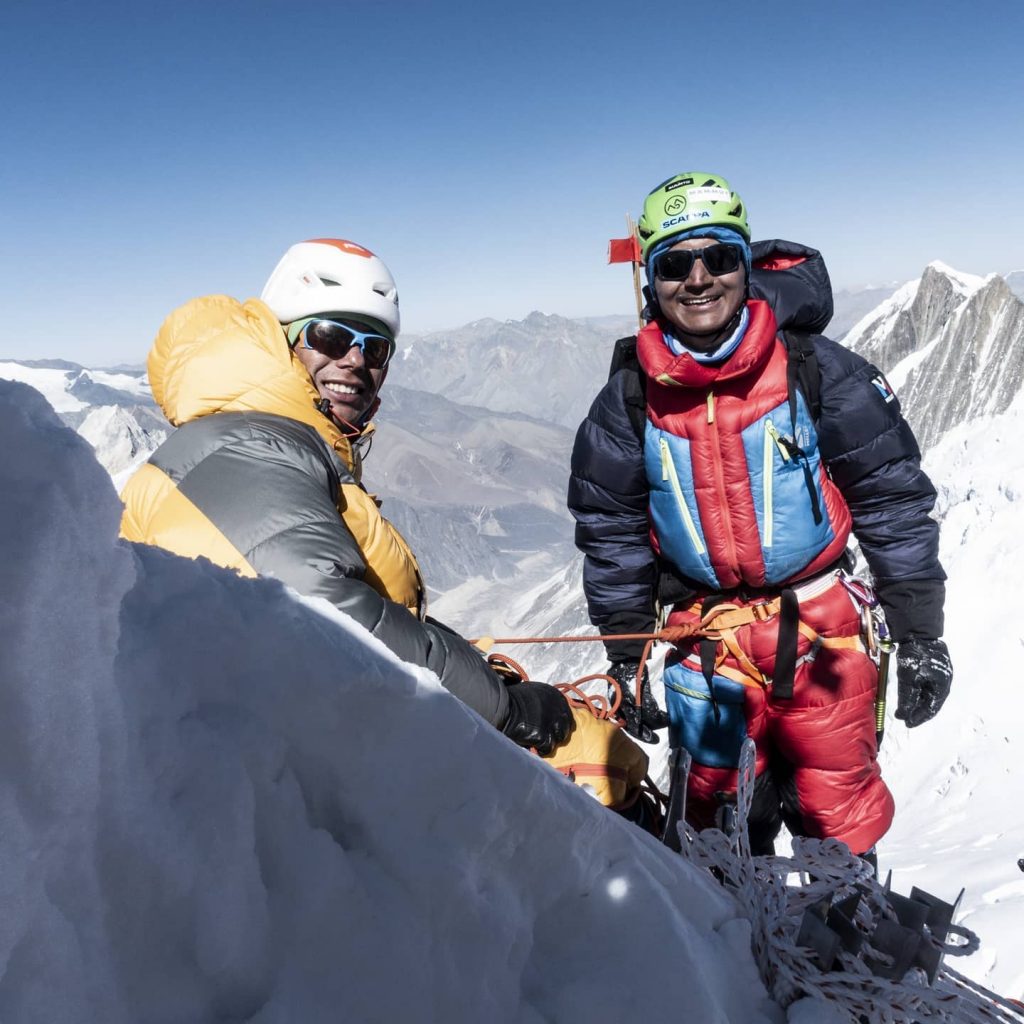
120, 442
965, 283
52, 382
958, 357
882, 317
940, 285
70, 388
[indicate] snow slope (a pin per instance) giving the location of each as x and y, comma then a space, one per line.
114, 411
220, 802
959, 780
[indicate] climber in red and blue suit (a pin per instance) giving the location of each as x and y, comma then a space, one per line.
717, 479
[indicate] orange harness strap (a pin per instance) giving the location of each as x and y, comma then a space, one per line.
721, 623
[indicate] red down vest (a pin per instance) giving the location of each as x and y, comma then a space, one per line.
738, 492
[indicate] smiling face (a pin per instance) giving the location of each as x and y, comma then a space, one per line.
347, 383
702, 307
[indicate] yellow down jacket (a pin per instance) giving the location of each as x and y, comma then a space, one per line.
258, 480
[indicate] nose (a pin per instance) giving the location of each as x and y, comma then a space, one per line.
698, 276
353, 358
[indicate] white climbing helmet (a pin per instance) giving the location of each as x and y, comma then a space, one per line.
332, 275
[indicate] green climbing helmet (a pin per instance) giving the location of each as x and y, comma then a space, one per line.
686, 201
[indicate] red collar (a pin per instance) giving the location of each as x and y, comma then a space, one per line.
665, 367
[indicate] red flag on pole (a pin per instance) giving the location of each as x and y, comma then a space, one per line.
624, 250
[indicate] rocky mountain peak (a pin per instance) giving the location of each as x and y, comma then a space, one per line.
974, 364
914, 314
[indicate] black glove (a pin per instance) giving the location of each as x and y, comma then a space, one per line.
539, 716
924, 674
640, 722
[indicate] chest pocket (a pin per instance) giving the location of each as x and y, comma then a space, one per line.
785, 483
675, 517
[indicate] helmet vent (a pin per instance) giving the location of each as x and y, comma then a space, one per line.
327, 280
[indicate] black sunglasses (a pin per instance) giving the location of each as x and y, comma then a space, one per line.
334, 340
721, 258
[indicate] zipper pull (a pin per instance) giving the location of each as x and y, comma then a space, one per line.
665, 456
711, 407
774, 435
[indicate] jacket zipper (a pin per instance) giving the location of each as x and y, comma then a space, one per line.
723, 497
668, 472
772, 441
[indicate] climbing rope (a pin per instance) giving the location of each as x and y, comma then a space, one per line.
599, 706
778, 893
826, 873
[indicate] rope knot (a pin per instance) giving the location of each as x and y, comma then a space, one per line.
684, 631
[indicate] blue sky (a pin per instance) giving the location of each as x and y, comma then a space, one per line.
157, 151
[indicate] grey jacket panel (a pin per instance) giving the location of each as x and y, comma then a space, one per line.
270, 485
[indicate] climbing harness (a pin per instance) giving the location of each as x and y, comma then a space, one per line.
716, 621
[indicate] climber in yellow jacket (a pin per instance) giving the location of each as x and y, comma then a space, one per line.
271, 398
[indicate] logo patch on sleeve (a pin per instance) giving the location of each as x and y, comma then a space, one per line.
882, 387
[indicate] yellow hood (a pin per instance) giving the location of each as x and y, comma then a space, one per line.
216, 354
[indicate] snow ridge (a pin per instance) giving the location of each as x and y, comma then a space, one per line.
223, 803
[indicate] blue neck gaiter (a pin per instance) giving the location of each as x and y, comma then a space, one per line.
717, 355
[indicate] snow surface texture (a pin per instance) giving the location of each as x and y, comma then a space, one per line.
114, 412
220, 802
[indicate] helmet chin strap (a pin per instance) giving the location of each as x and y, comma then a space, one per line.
349, 429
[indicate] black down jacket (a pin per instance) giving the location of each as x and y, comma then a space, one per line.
867, 446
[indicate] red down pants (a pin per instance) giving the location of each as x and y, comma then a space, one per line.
819, 744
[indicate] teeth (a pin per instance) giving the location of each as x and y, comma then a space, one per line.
341, 389
698, 302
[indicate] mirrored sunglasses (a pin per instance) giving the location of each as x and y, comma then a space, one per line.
334, 340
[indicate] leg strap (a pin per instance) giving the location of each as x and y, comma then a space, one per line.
785, 651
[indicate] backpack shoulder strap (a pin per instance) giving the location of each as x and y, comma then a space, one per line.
802, 372
635, 387
624, 356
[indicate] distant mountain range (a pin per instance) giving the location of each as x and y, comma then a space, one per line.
852, 305
1015, 282
475, 489
545, 366
472, 448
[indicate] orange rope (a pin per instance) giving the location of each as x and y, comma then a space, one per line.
670, 634
600, 706
597, 705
